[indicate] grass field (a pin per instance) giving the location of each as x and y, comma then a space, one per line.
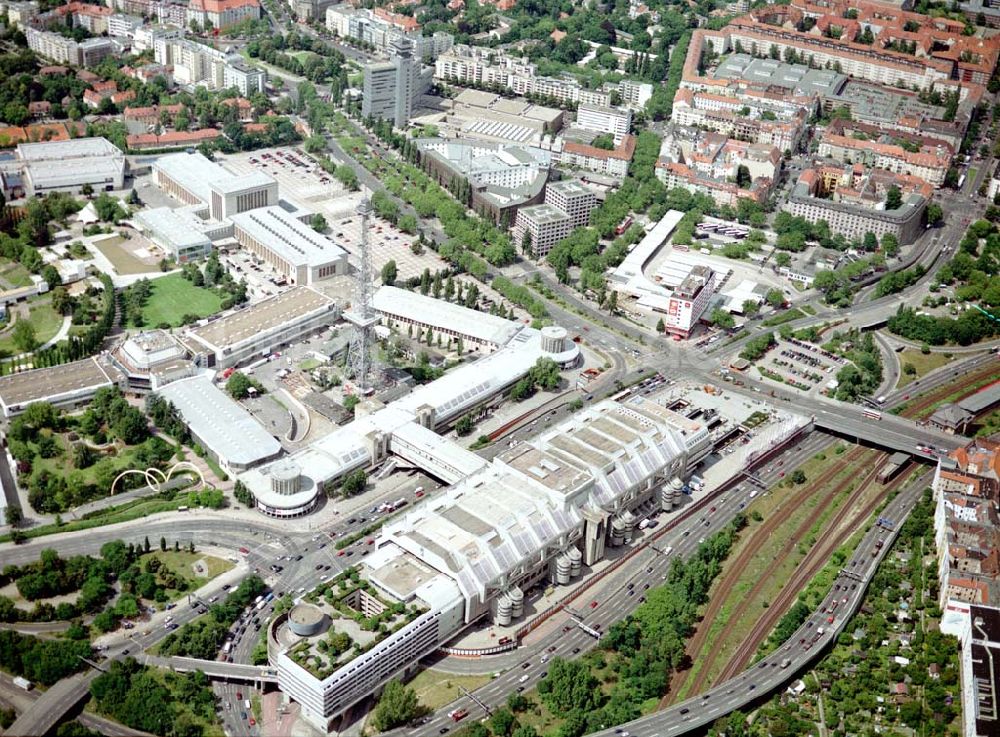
434, 688
123, 261
15, 274
180, 563
923, 363
174, 296
46, 321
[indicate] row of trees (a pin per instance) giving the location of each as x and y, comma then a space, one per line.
170, 704
643, 649
203, 637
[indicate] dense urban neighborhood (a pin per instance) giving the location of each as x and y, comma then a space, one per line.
493, 368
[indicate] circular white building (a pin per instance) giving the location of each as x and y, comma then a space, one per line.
290, 494
305, 620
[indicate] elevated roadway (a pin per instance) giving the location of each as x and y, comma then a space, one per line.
53, 705
216, 669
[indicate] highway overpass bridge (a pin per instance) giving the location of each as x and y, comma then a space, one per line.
53, 705
241, 672
855, 422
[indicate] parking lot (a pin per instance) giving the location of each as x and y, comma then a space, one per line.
800, 365
300, 179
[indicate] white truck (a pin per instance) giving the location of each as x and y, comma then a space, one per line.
23, 683
644, 524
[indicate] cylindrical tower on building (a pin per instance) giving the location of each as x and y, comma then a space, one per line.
617, 532
286, 477
504, 608
670, 494
553, 339
305, 620
517, 602
563, 568
575, 560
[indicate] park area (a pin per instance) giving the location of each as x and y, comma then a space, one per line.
44, 320
173, 297
915, 364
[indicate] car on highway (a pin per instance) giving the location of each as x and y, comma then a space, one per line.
593, 604
576, 650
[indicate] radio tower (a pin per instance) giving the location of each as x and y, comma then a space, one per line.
360, 365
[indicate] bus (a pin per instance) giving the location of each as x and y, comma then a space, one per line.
227, 648
871, 414
623, 225
709, 226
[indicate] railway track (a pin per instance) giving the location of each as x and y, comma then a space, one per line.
925, 401
743, 560
800, 532
810, 566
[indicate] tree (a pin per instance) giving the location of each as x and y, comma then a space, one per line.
239, 385
24, 335
163, 544
318, 223
354, 483
721, 318
502, 722
86, 190
350, 402
934, 214
750, 307
396, 706
798, 476
464, 425
775, 298
389, 273
890, 245
13, 515
660, 327
909, 369
893, 198
783, 259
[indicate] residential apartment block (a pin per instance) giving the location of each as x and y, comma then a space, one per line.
851, 199
195, 63
222, 13
601, 119
495, 70
613, 163
381, 29
942, 57
932, 167
750, 116
65, 50
540, 227
712, 164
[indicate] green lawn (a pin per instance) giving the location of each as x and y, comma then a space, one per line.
180, 563
46, 321
15, 274
121, 259
924, 363
174, 296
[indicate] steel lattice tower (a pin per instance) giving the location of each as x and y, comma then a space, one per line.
360, 365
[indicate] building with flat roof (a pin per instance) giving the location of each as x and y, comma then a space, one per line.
66, 166
174, 233
217, 422
503, 177
614, 163
530, 518
66, 386
242, 335
604, 119
151, 359
930, 166
476, 329
391, 88
65, 50
195, 180
798, 79
574, 198
539, 227
288, 245
852, 198
752, 117
980, 678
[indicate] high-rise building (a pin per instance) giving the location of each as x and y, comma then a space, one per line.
391, 87
572, 197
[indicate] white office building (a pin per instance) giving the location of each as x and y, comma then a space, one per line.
174, 233
66, 166
539, 227
288, 245
601, 119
